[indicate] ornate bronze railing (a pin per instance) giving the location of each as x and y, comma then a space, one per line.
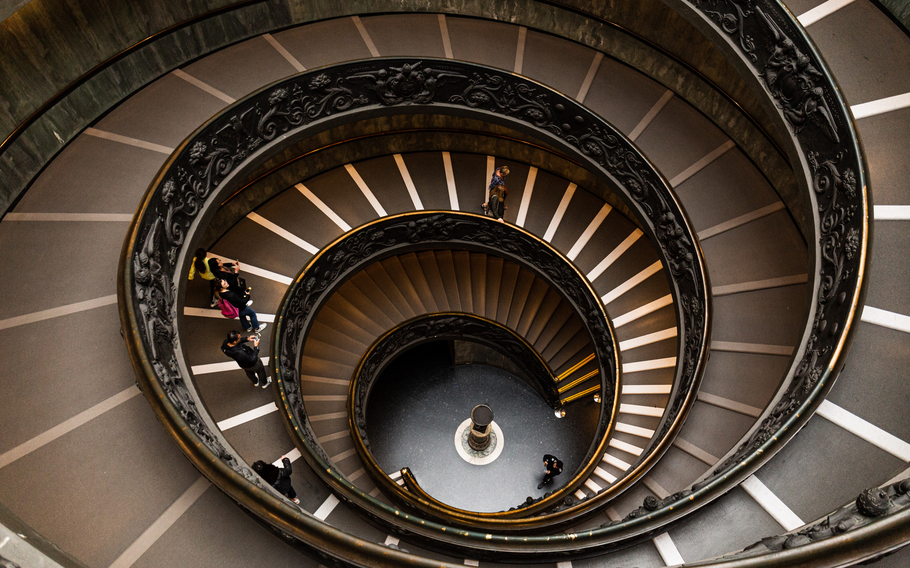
772, 45
280, 17
785, 65
407, 232
187, 190
876, 523
439, 327
442, 326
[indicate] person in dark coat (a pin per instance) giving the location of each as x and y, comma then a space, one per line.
496, 204
241, 301
278, 477
230, 273
553, 467
247, 357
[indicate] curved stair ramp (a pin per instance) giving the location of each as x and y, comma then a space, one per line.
392, 291
649, 397
747, 355
644, 403
664, 219
489, 284
399, 288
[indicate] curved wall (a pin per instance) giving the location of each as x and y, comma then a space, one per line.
110, 29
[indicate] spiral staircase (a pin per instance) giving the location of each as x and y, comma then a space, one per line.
89, 477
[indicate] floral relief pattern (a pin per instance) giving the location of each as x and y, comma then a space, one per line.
155, 294
804, 95
731, 22
790, 71
871, 504
198, 171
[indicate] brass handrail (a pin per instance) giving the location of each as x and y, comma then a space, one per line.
203, 170
435, 229
575, 367
581, 394
420, 500
578, 381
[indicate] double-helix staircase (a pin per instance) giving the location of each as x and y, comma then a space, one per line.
71, 412
389, 292
607, 247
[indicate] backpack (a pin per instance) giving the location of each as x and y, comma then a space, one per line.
227, 309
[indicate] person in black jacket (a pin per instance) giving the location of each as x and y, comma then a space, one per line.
496, 204
247, 357
553, 467
241, 301
230, 273
278, 477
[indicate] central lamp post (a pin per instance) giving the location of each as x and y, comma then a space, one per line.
481, 426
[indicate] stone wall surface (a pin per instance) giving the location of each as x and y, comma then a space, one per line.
45, 54
899, 10
9, 7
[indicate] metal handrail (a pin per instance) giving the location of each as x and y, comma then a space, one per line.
837, 172
201, 171
58, 97
401, 233
829, 365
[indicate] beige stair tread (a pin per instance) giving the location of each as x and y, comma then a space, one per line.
418, 281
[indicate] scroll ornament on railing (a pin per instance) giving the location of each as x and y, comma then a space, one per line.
795, 83
155, 295
198, 175
870, 505
783, 60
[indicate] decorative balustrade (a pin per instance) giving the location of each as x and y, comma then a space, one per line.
775, 49
407, 232
438, 327
189, 188
876, 523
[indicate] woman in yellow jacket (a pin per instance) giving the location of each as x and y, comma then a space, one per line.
201, 265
